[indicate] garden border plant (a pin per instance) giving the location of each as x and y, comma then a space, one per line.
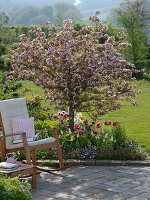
14, 189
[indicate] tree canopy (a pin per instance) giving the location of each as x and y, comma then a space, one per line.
74, 69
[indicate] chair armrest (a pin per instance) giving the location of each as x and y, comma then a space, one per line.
24, 137
55, 132
48, 129
25, 144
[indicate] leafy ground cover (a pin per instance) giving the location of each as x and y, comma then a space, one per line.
136, 120
12, 188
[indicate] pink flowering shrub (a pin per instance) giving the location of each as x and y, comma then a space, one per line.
75, 70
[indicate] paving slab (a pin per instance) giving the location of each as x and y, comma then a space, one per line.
94, 182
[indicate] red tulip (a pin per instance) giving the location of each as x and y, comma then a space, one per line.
81, 132
60, 113
85, 121
66, 115
108, 123
98, 125
115, 123
95, 132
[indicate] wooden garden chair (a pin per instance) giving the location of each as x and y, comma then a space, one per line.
17, 109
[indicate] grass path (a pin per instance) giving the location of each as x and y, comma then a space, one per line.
136, 120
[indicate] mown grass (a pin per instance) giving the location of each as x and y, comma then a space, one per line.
136, 120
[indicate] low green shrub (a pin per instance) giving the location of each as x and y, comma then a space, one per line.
34, 103
8, 88
13, 189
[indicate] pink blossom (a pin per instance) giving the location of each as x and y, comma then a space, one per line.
74, 69
97, 12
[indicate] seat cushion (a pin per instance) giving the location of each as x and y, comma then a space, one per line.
21, 126
34, 143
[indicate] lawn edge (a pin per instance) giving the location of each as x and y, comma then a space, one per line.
74, 162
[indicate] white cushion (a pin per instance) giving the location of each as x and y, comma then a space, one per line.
21, 126
20, 140
34, 143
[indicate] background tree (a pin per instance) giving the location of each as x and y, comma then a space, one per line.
4, 18
24, 15
131, 15
75, 71
30, 15
5, 63
48, 11
66, 10
40, 19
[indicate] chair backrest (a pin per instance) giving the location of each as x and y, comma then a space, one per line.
12, 108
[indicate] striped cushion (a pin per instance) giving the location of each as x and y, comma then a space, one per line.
21, 126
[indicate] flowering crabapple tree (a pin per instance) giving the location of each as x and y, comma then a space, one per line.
74, 69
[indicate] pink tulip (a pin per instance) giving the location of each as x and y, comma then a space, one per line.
76, 126
76, 132
55, 116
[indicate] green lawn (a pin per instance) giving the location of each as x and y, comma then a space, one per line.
136, 120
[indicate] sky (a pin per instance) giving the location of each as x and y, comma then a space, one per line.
77, 2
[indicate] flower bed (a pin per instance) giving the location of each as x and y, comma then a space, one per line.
88, 140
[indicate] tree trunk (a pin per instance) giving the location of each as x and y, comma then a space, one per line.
71, 118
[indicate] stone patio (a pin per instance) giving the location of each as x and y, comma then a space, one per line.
94, 182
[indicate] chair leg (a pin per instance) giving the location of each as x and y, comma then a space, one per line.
3, 156
26, 148
58, 149
34, 178
34, 157
2, 151
60, 157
